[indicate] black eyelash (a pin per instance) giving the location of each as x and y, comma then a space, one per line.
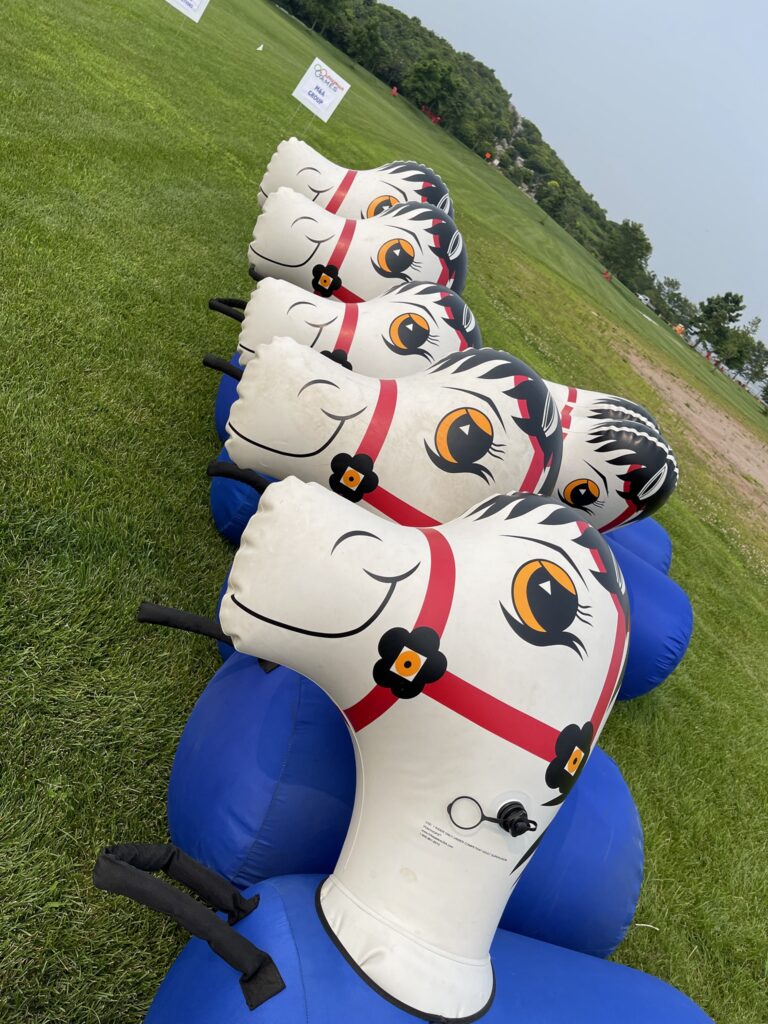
584, 614
449, 467
430, 340
537, 639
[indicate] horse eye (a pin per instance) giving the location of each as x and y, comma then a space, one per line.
544, 596
408, 332
463, 437
581, 493
396, 256
380, 204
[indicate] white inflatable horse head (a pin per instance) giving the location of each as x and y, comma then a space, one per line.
356, 194
409, 327
617, 466
475, 663
419, 450
355, 260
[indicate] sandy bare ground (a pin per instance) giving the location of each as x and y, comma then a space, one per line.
735, 454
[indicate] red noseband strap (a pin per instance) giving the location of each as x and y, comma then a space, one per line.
467, 700
340, 194
373, 441
338, 256
348, 328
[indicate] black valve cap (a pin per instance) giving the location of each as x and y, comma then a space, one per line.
513, 818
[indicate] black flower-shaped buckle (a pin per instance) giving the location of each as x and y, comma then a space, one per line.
571, 752
352, 476
338, 356
409, 660
325, 279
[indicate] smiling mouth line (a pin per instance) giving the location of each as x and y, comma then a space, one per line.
393, 582
300, 455
277, 263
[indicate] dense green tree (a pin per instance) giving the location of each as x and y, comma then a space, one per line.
756, 368
715, 319
667, 297
627, 252
738, 349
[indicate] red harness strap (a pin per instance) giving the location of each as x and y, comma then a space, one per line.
348, 328
444, 277
434, 613
381, 420
565, 416
463, 343
467, 700
620, 641
340, 194
533, 476
395, 508
373, 441
631, 508
338, 256
341, 248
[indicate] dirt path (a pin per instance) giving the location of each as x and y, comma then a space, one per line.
734, 453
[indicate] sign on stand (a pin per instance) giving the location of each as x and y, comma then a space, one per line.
192, 8
321, 89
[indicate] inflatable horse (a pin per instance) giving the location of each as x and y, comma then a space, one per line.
612, 470
475, 664
617, 467
355, 260
408, 328
418, 450
497, 754
356, 194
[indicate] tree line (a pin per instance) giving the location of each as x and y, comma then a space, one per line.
472, 104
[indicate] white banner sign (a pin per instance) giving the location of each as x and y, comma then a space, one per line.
321, 89
192, 8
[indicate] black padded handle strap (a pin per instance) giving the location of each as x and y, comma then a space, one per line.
229, 307
162, 615
128, 870
230, 471
223, 366
202, 625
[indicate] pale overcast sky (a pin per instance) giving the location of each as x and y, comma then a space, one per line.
658, 107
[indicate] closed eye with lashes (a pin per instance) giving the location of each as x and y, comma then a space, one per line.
463, 437
545, 603
409, 334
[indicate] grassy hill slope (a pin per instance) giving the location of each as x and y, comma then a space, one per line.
133, 143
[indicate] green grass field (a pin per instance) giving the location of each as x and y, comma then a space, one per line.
133, 142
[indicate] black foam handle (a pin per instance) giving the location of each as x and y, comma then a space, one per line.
230, 471
223, 366
127, 869
174, 618
229, 307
